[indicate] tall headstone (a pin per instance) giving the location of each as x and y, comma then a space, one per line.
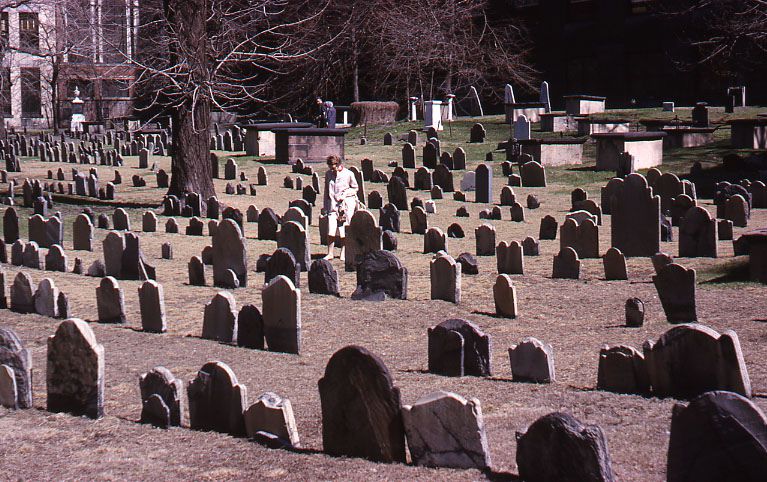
152, 304
75, 370
484, 183
282, 315
676, 289
220, 318
229, 253
17, 358
635, 227
361, 408
216, 400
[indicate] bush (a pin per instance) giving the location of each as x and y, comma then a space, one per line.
374, 113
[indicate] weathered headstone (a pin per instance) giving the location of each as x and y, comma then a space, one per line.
216, 400
220, 318
229, 253
361, 409
690, 359
485, 240
18, 359
272, 414
152, 303
162, 404
457, 348
110, 301
676, 289
380, 275
718, 436
282, 315
622, 369
75, 370
532, 361
557, 447
446, 430
323, 278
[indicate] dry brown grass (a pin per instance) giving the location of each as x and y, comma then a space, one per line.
576, 317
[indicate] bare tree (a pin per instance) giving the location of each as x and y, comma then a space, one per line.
728, 36
446, 46
197, 55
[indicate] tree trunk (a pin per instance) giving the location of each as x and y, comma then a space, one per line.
356, 69
190, 167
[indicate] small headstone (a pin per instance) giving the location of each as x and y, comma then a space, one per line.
272, 414
161, 398
323, 278
615, 265
445, 275
622, 369
566, 264
469, 264
634, 312
549, 228
484, 236
505, 296
446, 430
532, 361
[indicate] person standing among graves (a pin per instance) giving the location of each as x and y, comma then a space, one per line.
318, 113
330, 115
340, 202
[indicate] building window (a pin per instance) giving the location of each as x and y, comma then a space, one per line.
5, 92
30, 93
114, 26
4, 28
115, 89
29, 31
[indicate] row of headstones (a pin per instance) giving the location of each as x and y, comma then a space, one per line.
46, 300
277, 326
358, 382
228, 141
685, 362
82, 155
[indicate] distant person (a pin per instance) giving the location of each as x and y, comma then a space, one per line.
340, 203
330, 115
318, 114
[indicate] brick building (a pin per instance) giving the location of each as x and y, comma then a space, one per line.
55, 46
